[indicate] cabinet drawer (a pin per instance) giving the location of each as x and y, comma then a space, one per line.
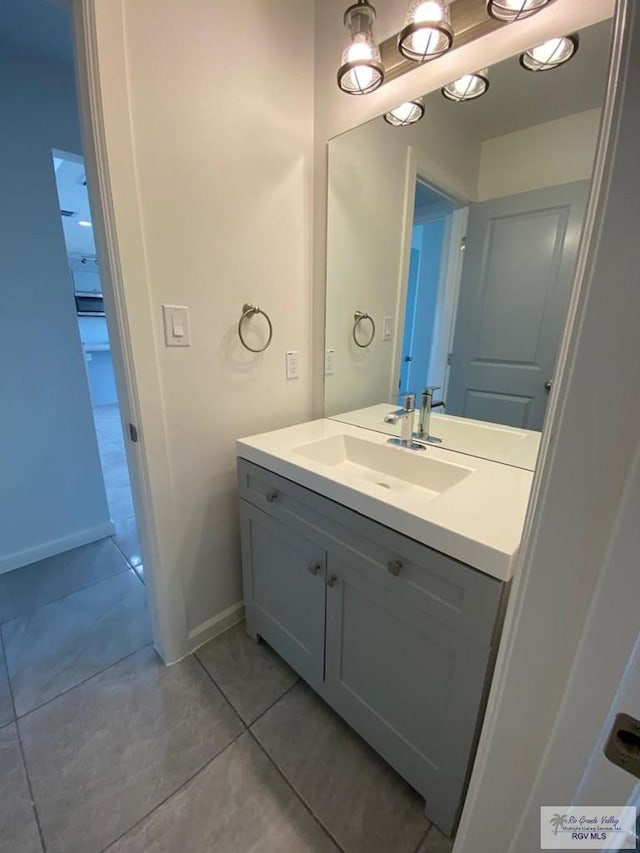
458, 596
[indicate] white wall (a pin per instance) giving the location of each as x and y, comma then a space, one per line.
367, 214
548, 154
51, 489
222, 183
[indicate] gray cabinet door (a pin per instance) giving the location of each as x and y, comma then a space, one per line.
412, 687
284, 591
516, 281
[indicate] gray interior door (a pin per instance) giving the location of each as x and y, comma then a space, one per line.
514, 292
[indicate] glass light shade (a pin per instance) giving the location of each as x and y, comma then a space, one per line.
514, 10
468, 87
427, 32
361, 69
550, 54
405, 114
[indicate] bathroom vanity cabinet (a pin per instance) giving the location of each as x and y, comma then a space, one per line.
398, 638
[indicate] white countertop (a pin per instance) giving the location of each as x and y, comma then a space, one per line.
497, 442
478, 521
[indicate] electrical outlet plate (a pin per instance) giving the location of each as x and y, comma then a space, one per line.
293, 364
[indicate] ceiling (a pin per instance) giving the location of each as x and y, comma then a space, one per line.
39, 28
517, 98
73, 196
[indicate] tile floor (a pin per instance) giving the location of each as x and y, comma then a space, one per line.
102, 747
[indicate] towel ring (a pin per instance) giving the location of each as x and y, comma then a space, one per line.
358, 317
248, 311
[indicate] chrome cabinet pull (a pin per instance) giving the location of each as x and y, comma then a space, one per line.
331, 580
273, 496
393, 567
314, 568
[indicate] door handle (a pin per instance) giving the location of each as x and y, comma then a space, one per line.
331, 580
623, 744
408, 358
394, 567
547, 385
273, 496
314, 568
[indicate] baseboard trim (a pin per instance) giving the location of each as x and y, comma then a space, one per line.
55, 546
216, 625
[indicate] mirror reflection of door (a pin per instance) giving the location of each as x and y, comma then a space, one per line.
430, 234
519, 264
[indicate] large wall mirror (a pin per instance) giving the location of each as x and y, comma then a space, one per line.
451, 252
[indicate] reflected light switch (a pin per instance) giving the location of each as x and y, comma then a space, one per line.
329, 362
177, 332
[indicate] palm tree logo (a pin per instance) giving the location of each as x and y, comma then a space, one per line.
557, 822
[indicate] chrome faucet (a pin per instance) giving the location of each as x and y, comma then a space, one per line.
424, 421
407, 415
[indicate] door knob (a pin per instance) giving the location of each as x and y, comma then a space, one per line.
408, 358
314, 568
394, 567
331, 580
547, 385
273, 496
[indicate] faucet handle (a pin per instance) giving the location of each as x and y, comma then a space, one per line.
431, 388
409, 403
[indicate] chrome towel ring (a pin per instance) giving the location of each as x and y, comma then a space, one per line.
249, 311
358, 317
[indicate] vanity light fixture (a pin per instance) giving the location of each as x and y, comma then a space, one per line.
427, 31
550, 54
361, 70
405, 114
468, 87
514, 10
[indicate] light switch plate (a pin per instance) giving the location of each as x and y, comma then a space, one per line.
293, 365
177, 327
387, 328
329, 362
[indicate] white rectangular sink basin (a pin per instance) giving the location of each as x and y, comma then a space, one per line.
382, 466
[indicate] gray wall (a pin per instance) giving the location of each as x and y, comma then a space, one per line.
51, 489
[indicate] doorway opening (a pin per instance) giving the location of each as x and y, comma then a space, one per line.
431, 290
84, 274
72, 605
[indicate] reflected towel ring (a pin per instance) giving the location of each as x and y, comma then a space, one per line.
358, 317
248, 311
